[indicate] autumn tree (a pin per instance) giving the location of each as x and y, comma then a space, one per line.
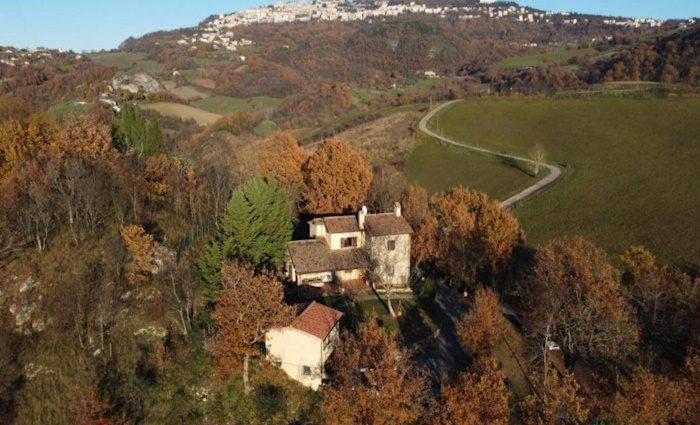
93, 409
555, 400
282, 158
576, 300
387, 188
646, 398
476, 234
478, 397
665, 300
336, 178
249, 305
484, 326
424, 245
372, 381
415, 206
139, 244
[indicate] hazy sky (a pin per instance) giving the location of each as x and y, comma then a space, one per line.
97, 24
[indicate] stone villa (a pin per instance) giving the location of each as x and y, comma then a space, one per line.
346, 249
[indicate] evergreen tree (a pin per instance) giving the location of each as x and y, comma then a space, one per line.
237, 237
209, 264
131, 132
154, 138
270, 220
254, 229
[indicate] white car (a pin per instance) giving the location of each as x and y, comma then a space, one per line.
553, 346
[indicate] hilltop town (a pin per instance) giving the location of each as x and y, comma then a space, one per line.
218, 30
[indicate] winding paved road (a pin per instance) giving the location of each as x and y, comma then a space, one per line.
554, 171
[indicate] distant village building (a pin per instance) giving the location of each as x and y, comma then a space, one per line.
302, 348
345, 248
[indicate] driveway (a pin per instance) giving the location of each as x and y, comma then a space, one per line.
554, 171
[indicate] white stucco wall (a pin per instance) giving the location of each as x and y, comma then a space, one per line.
333, 239
356, 274
293, 349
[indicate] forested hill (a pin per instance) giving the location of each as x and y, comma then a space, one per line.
375, 53
669, 59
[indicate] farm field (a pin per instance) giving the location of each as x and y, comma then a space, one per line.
556, 56
183, 112
439, 167
122, 60
631, 167
188, 93
226, 105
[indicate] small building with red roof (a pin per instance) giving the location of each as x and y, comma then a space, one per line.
302, 348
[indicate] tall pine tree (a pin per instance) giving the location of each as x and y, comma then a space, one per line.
254, 229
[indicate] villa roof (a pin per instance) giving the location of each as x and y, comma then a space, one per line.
341, 224
317, 319
387, 224
314, 256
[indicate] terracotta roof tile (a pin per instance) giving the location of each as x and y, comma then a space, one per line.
314, 256
310, 256
341, 224
317, 320
387, 224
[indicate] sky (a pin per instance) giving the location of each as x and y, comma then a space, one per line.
101, 24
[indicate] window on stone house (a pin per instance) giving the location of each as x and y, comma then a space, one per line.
391, 245
306, 370
348, 242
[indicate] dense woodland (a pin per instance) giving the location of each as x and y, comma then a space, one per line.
139, 270
132, 263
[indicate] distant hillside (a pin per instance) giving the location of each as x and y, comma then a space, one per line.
670, 59
371, 54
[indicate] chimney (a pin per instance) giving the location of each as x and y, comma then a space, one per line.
397, 209
361, 217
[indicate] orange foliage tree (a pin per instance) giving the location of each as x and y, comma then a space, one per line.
478, 397
476, 233
282, 158
554, 401
647, 398
337, 179
139, 244
577, 300
484, 326
372, 381
249, 305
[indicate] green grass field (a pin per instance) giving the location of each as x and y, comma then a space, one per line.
632, 167
438, 167
226, 105
556, 56
122, 60
69, 107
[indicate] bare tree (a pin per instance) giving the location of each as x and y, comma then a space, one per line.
385, 269
538, 155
